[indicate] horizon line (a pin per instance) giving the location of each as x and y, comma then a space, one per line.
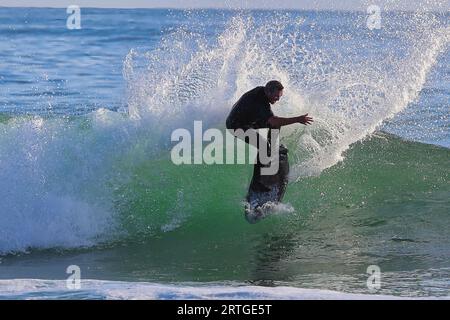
434, 10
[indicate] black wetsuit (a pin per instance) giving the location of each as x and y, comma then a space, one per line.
252, 110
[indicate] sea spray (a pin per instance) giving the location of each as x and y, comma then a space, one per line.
78, 181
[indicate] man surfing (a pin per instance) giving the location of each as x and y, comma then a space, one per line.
251, 112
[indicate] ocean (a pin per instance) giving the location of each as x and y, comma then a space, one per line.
87, 182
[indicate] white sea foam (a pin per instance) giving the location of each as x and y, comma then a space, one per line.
116, 290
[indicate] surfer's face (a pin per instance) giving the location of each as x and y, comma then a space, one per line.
275, 96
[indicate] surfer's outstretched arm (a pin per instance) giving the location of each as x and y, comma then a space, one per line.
278, 122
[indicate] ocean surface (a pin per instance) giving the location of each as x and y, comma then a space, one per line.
86, 179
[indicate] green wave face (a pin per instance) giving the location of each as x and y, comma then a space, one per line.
386, 204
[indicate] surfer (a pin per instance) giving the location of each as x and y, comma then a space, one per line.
252, 111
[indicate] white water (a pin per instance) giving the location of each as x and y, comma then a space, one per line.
58, 177
348, 98
115, 290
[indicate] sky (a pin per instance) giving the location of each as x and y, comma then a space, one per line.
440, 5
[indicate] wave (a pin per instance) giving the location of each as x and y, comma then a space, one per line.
80, 181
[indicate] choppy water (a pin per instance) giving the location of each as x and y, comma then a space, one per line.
86, 177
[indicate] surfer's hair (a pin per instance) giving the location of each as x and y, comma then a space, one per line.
273, 86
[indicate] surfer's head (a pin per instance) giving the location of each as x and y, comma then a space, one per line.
274, 91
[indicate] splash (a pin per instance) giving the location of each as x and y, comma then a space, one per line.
61, 178
350, 78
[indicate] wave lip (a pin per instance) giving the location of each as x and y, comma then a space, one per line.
116, 290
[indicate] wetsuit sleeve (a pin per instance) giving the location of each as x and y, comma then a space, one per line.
263, 118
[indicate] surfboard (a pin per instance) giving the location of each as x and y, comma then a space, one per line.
266, 191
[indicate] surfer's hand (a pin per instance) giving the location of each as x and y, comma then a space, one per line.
305, 119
